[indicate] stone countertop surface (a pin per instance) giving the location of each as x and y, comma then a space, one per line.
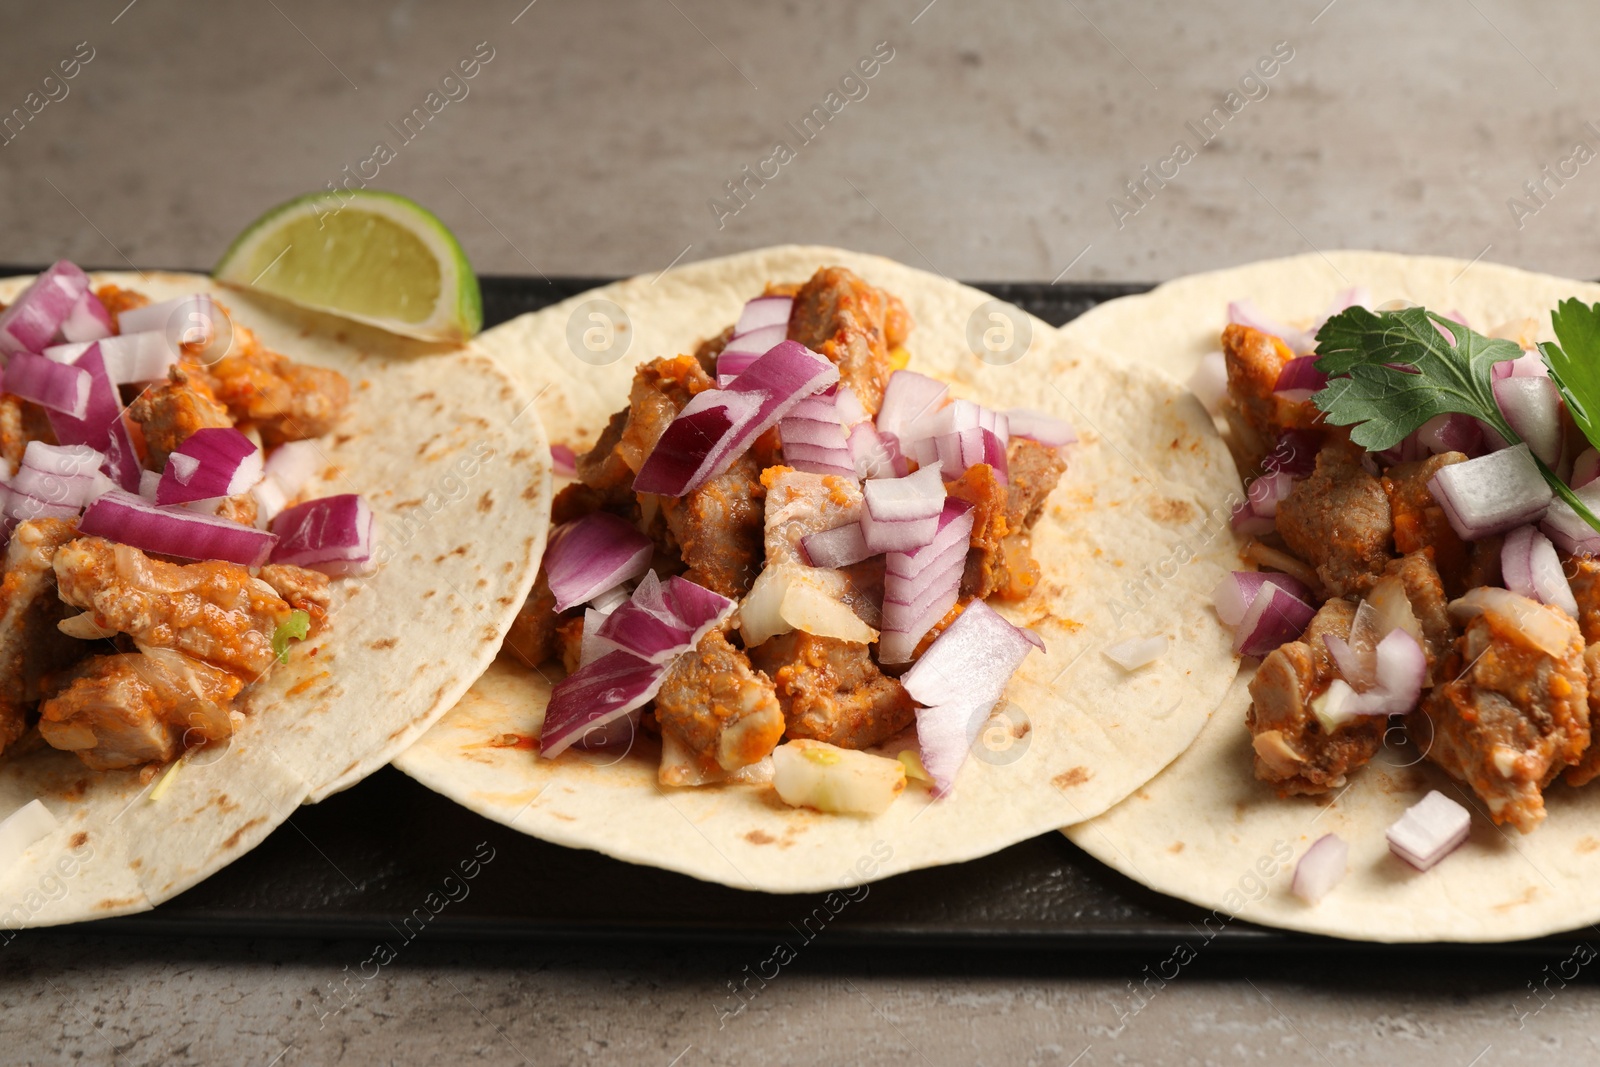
993, 142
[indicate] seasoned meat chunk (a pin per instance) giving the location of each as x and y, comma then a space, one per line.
707, 351
21, 422
719, 528
1033, 471
602, 468
1583, 574
1516, 711
211, 610
131, 708
1257, 415
169, 413
302, 589
830, 690
1420, 585
1294, 751
661, 389
285, 400
30, 645
1338, 521
532, 637
987, 569
1587, 769
718, 709
854, 325
117, 300
1420, 523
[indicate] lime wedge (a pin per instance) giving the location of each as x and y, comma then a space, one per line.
374, 257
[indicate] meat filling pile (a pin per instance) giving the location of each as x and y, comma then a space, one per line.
725, 705
1505, 708
124, 658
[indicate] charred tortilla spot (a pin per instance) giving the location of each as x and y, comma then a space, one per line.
759, 837
383, 644
1174, 511
1175, 848
530, 492
233, 838
521, 455
1075, 776
122, 902
80, 837
486, 502
343, 438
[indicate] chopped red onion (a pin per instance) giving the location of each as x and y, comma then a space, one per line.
1491, 494
1533, 408
907, 398
764, 311
816, 459
62, 475
594, 696
1274, 616
1299, 378
130, 520
590, 555
136, 358
1356, 295
1321, 868
838, 547
102, 426
848, 407
1429, 831
916, 496
1531, 568
1527, 365
88, 320
1245, 313
57, 386
215, 461
194, 321
662, 621
1209, 382
717, 425
1400, 670
564, 461
269, 497
756, 342
1294, 454
1585, 468
875, 454
1452, 432
1138, 652
1037, 426
958, 681
920, 587
293, 464
330, 529
34, 318
1234, 595
1569, 530
906, 535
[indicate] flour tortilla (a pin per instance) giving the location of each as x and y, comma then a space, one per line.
1199, 830
1149, 470
460, 490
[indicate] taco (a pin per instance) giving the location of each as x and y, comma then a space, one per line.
802, 659
1407, 754
251, 553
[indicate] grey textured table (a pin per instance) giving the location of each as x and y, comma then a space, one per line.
997, 142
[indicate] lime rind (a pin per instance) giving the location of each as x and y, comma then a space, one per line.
458, 313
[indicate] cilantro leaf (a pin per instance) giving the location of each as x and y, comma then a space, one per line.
1575, 362
1389, 402
294, 628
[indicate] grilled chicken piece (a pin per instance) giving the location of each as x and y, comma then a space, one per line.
1338, 520
1293, 750
131, 708
660, 390
1424, 591
532, 637
1514, 714
30, 645
830, 690
212, 611
1583, 574
719, 527
716, 713
169, 413
285, 400
853, 324
1420, 523
1032, 470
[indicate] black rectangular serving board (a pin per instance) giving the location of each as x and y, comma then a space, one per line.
359, 864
